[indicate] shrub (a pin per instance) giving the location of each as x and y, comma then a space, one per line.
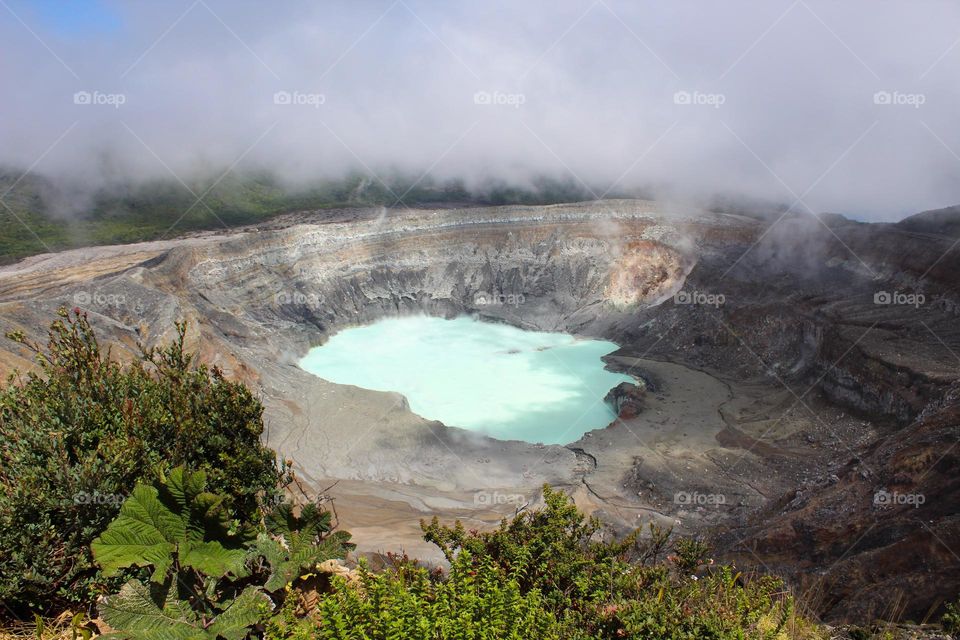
406, 603
557, 547
80, 431
549, 574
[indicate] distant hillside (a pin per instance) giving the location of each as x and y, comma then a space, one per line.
944, 221
32, 221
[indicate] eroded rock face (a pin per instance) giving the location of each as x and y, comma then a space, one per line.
550, 261
646, 273
768, 363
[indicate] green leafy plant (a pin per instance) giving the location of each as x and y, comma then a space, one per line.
407, 602
290, 543
559, 548
206, 578
82, 429
173, 525
690, 555
155, 612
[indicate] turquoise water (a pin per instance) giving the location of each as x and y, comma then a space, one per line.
492, 378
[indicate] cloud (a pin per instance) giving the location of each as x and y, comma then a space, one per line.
844, 107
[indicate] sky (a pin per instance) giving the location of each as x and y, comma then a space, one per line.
845, 107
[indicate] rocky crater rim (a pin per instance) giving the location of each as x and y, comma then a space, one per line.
372, 223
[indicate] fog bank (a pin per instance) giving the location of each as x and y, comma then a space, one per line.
846, 107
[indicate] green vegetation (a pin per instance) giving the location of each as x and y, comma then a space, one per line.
77, 434
33, 220
212, 576
408, 603
542, 575
547, 574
